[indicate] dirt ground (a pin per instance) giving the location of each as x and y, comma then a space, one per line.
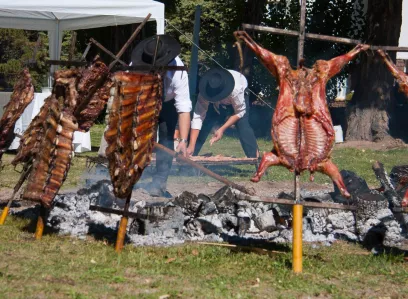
377, 146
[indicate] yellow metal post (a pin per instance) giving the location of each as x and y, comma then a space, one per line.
4, 214
40, 224
297, 238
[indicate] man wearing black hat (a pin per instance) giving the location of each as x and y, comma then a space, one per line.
223, 89
176, 103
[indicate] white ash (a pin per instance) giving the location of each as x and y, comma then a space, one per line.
223, 216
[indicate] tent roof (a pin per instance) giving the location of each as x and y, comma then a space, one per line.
77, 14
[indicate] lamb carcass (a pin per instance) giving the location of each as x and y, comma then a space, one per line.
22, 95
132, 127
399, 75
302, 129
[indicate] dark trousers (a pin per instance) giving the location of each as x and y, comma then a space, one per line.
167, 125
246, 134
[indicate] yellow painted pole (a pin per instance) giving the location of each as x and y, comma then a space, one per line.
40, 224
4, 214
297, 253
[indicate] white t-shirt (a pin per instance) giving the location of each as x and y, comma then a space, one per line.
176, 87
236, 99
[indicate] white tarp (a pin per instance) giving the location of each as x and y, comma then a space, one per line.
56, 16
403, 41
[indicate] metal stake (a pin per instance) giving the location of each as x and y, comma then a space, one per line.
40, 223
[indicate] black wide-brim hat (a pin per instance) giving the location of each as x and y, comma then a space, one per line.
216, 84
167, 49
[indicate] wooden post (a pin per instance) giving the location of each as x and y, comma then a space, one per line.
301, 40
194, 56
297, 228
129, 41
120, 239
40, 223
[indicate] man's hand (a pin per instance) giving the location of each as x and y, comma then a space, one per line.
217, 136
182, 147
190, 151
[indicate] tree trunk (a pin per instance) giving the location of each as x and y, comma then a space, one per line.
369, 110
254, 11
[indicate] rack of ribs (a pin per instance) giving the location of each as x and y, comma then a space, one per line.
399, 75
132, 127
302, 129
47, 143
22, 95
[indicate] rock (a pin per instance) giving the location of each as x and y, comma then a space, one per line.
244, 225
340, 234
354, 184
225, 200
210, 224
171, 224
343, 220
189, 202
266, 221
208, 208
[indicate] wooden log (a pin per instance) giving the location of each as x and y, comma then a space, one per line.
129, 41
203, 169
341, 40
320, 205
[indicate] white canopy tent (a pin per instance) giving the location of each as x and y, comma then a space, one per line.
56, 17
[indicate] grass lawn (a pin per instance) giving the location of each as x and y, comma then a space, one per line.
359, 161
62, 267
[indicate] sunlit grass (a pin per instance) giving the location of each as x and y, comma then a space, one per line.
63, 267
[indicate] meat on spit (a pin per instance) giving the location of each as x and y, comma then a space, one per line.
22, 95
402, 80
132, 127
47, 143
399, 75
302, 129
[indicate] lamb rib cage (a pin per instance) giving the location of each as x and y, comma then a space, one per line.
23, 94
302, 129
132, 127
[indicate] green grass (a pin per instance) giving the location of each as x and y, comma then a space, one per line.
96, 134
359, 161
62, 267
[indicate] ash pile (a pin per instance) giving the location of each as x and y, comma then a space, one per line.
224, 217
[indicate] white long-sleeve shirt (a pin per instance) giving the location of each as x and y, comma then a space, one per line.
176, 87
236, 99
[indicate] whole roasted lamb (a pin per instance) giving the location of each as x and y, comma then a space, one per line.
302, 129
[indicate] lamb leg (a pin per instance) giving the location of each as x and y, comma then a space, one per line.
268, 159
329, 168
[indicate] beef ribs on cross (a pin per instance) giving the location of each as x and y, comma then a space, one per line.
302, 129
22, 95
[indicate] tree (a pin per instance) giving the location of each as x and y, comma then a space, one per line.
19, 49
369, 112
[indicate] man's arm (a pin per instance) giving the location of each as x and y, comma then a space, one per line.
238, 103
200, 112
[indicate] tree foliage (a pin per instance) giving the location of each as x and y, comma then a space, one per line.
19, 49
